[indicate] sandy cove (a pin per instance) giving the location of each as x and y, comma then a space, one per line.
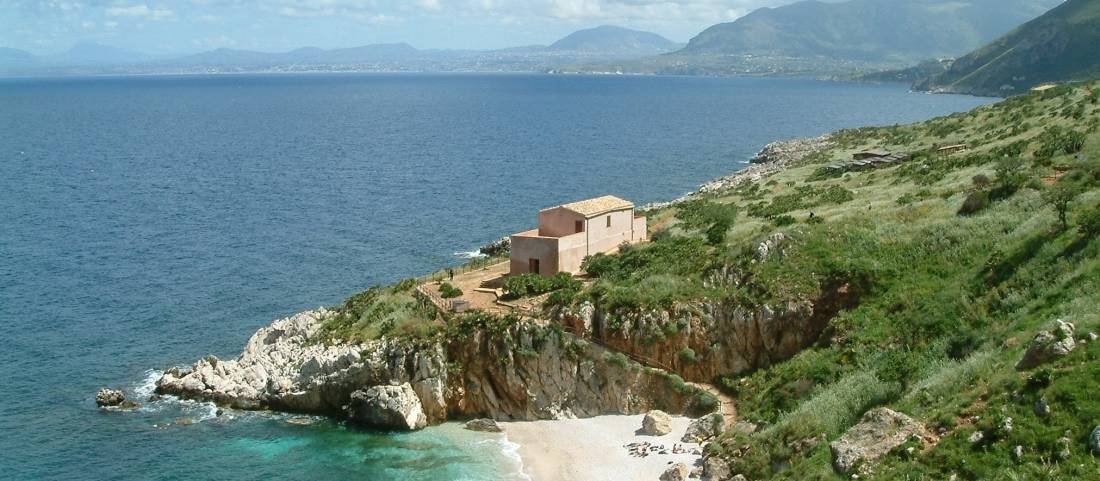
594, 449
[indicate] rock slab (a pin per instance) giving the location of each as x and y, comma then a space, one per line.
388, 407
703, 428
656, 423
879, 431
109, 397
677, 472
1049, 345
484, 425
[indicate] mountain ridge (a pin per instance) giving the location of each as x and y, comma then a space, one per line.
1059, 46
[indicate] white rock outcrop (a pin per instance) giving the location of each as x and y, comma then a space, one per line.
656, 423
1049, 345
879, 431
388, 407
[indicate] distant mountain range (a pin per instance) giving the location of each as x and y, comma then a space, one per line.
886, 31
812, 38
837, 39
595, 44
1062, 45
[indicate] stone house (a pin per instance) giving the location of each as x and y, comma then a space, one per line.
568, 233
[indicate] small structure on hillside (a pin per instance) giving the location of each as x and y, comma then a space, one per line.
951, 149
870, 154
867, 160
568, 233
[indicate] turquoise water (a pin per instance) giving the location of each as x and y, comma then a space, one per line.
146, 222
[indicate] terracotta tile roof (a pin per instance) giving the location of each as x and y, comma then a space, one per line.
598, 205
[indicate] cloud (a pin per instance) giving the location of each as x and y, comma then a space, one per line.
139, 11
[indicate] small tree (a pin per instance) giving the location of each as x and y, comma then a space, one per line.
1059, 196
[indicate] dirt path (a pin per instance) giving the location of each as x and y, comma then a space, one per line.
728, 408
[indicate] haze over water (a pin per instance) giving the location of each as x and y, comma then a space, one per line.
146, 222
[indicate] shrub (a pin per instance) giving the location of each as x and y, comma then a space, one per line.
1089, 222
974, 203
784, 220
447, 291
687, 355
531, 284
716, 233
980, 181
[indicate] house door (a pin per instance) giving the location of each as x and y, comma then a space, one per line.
533, 266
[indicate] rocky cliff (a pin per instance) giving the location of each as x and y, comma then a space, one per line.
521, 372
702, 340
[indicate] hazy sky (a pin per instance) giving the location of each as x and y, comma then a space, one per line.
184, 26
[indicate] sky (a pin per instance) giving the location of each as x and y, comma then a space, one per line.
187, 26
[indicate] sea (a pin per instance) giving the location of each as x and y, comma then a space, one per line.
148, 221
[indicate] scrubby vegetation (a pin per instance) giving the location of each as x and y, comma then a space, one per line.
960, 259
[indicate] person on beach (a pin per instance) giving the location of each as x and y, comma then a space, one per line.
451, 274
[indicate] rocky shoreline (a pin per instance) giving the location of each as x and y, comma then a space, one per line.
774, 157
525, 372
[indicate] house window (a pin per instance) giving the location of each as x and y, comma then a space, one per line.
578, 226
609, 221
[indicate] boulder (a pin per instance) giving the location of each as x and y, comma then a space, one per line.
703, 428
1094, 440
656, 423
1042, 407
1049, 345
879, 431
388, 407
109, 397
1064, 443
740, 477
676, 472
716, 469
484, 425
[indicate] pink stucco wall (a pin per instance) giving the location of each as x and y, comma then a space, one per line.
560, 248
558, 222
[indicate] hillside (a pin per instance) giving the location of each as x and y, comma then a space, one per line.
612, 40
867, 30
1059, 46
945, 266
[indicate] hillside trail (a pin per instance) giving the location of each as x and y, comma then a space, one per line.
727, 406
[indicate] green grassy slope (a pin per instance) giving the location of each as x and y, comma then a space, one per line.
1059, 46
950, 299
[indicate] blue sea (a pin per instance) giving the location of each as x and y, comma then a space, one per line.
148, 221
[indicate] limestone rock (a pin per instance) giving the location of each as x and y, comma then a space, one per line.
716, 469
1042, 407
703, 428
109, 397
770, 245
1064, 443
739, 477
677, 472
1018, 453
656, 423
1049, 345
976, 437
484, 425
1094, 440
388, 407
879, 431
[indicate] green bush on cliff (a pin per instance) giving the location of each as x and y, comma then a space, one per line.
529, 284
447, 291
